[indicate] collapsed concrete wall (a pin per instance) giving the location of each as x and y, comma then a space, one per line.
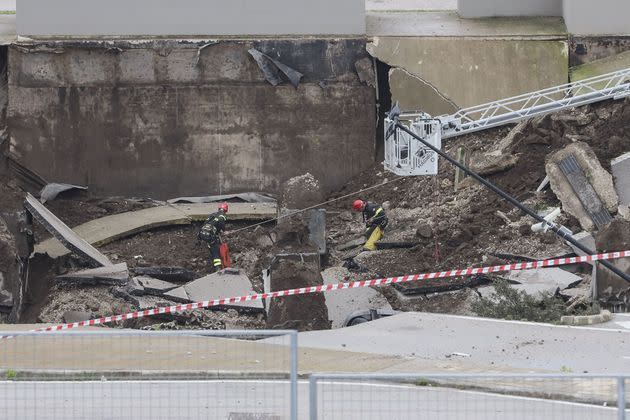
460, 72
164, 118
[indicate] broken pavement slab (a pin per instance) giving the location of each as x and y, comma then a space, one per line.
115, 275
600, 180
226, 283
343, 303
66, 238
111, 228
534, 282
153, 286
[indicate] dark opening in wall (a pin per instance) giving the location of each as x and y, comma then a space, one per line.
383, 105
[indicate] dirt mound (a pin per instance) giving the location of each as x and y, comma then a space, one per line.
301, 191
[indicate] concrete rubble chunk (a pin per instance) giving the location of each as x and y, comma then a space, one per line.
225, 283
585, 192
170, 274
534, 282
621, 175
154, 286
63, 233
487, 164
343, 303
600, 180
177, 295
365, 71
115, 275
134, 287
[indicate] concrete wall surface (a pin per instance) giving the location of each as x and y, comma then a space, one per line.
464, 72
604, 17
166, 118
88, 18
484, 8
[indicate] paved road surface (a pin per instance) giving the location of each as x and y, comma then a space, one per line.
489, 343
222, 399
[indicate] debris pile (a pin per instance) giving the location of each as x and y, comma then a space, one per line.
571, 167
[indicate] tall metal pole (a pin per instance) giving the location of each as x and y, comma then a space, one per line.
561, 231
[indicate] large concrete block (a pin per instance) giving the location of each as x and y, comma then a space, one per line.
597, 176
413, 93
471, 71
342, 303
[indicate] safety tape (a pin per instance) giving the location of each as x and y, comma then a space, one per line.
337, 286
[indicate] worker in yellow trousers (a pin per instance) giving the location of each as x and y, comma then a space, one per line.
375, 221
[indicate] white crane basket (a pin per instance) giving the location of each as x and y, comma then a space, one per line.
406, 156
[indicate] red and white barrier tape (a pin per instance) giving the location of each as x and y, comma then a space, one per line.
338, 286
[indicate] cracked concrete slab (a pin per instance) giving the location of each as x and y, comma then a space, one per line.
413, 93
601, 181
471, 71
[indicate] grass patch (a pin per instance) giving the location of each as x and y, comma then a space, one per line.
509, 303
7, 12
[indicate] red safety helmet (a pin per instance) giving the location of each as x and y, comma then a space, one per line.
358, 205
223, 206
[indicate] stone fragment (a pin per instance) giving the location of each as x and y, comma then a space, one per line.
487, 164
365, 71
599, 179
424, 230
154, 286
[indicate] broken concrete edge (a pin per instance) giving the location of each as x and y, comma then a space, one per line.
603, 316
47, 218
184, 214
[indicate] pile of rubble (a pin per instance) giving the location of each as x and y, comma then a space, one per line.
573, 166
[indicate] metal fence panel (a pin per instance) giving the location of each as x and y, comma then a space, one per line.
458, 396
147, 375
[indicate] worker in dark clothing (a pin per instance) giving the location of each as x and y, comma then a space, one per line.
375, 221
211, 234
